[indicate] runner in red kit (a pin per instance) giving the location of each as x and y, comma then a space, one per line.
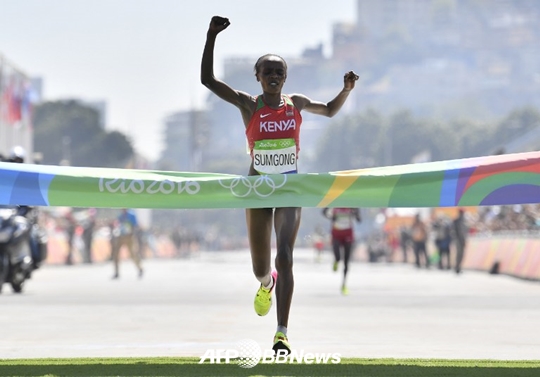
342, 237
272, 122
274, 130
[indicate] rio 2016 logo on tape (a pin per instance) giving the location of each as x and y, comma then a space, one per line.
248, 354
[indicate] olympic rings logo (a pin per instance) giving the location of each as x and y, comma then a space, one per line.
285, 143
263, 186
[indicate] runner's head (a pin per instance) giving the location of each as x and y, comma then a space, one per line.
271, 72
266, 57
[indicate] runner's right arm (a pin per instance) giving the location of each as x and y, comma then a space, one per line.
218, 87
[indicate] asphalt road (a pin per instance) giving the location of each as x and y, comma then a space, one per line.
184, 307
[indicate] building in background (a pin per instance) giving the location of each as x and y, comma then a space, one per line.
185, 138
433, 56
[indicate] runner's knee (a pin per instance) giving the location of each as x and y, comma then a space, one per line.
284, 260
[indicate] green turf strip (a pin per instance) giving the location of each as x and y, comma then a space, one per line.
191, 367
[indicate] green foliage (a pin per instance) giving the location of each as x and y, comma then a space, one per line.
370, 139
351, 143
116, 147
517, 123
407, 137
70, 130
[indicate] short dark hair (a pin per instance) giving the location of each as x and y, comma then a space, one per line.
263, 58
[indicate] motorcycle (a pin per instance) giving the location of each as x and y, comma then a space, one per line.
39, 247
16, 262
38, 236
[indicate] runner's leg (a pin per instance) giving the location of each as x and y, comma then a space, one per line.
347, 247
286, 223
259, 225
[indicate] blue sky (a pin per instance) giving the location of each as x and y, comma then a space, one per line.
143, 56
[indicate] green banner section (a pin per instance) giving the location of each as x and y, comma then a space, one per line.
152, 190
491, 180
143, 189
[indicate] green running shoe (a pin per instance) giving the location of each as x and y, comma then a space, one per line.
335, 266
344, 291
281, 343
263, 299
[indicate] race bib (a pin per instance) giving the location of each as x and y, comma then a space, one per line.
342, 222
275, 156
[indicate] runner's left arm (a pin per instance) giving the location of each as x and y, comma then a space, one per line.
331, 108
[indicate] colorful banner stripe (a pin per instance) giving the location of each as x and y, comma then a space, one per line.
492, 180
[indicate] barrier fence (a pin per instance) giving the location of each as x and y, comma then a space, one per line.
515, 255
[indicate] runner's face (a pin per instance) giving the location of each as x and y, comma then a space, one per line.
272, 74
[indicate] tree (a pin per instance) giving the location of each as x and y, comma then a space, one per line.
69, 130
354, 141
370, 139
517, 123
